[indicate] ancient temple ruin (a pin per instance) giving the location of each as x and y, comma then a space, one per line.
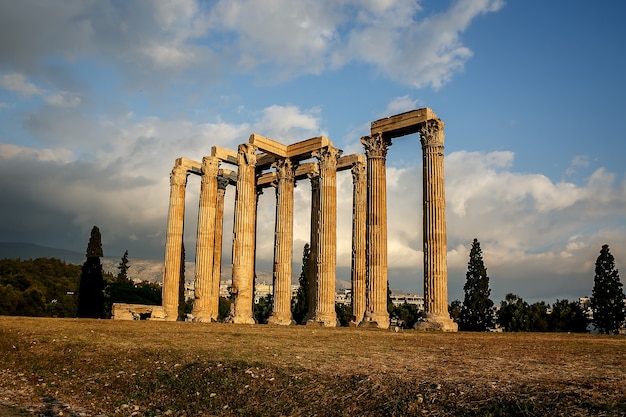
262, 163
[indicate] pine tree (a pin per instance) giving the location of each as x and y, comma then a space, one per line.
122, 275
477, 311
91, 289
607, 298
300, 304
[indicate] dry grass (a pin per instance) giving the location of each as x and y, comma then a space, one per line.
52, 366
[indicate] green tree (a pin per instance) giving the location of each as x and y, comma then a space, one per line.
567, 317
406, 314
513, 314
300, 303
10, 298
223, 309
455, 310
344, 313
122, 275
477, 310
607, 298
537, 314
94, 247
23, 281
263, 309
91, 289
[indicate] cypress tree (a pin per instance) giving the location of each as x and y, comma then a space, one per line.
91, 289
122, 275
607, 298
300, 304
477, 311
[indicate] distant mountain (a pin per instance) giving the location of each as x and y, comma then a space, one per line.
140, 269
24, 251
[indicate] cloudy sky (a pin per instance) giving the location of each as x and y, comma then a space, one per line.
98, 98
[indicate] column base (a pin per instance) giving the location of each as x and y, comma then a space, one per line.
380, 320
169, 314
202, 319
241, 320
324, 320
278, 321
437, 323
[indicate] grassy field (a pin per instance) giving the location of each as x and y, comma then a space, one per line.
71, 367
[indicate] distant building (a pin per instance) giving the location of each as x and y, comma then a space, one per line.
262, 290
343, 296
398, 299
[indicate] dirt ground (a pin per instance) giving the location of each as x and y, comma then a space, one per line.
101, 367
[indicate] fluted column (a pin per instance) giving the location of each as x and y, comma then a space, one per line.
205, 242
434, 218
327, 245
283, 243
244, 236
174, 242
376, 302
359, 210
214, 295
315, 230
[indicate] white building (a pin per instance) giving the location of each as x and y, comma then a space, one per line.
400, 298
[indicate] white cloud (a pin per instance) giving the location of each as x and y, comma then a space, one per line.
289, 124
400, 105
157, 44
63, 100
17, 82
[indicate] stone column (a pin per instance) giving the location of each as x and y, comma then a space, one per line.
327, 245
315, 230
214, 296
174, 242
205, 242
283, 243
244, 236
376, 152
359, 210
434, 217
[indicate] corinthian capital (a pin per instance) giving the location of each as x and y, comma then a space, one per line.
222, 183
246, 154
431, 133
327, 157
285, 169
375, 145
359, 171
210, 167
178, 176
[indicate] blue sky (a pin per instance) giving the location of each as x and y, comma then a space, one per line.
97, 100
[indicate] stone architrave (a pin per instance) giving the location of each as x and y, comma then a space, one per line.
214, 296
244, 238
315, 230
376, 303
359, 211
327, 238
174, 242
434, 218
205, 242
283, 243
